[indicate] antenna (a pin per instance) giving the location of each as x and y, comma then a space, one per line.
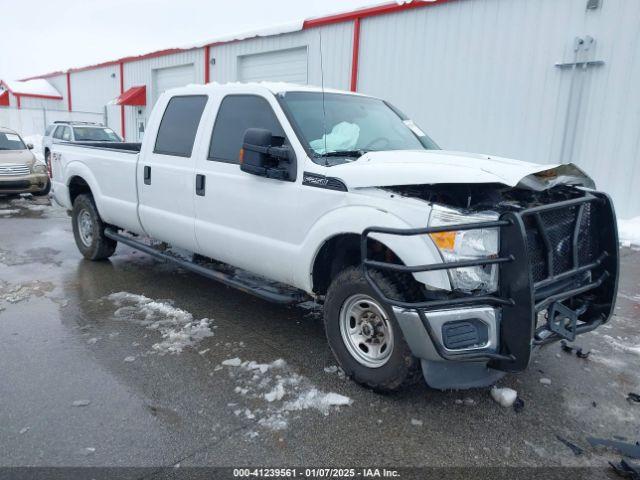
324, 112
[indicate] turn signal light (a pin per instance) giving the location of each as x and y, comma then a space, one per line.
241, 156
444, 240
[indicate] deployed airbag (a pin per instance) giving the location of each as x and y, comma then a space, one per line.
343, 136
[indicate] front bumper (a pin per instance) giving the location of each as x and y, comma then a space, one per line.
570, 302
32, 183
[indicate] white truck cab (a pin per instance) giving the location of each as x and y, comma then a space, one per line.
424, 259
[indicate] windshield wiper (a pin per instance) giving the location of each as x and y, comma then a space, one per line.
342, 153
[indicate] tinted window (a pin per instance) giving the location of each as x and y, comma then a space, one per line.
237, 114
49, 130
58, 133
179, 125
66, 134
93, 134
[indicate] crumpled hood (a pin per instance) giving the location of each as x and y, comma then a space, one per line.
417, 167
17, 156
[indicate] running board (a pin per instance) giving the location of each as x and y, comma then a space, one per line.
252, 288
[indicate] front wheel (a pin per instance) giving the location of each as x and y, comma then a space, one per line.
365, 336
88, 230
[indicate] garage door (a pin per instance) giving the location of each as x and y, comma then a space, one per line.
280, 66
172, 77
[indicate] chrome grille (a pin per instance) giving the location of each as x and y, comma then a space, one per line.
7, 170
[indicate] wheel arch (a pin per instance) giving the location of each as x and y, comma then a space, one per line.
81, 180
344, 226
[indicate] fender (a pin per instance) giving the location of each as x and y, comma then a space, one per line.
414, 250
112, 209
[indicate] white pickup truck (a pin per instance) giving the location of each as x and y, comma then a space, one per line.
448, 264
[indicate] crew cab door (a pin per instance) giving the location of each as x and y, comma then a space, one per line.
246, 220
166, 172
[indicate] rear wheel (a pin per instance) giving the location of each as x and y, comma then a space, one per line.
364, 335
88, 230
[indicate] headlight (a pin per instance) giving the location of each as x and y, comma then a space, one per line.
461, 245
39, 168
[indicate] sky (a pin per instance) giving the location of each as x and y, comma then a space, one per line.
40, 36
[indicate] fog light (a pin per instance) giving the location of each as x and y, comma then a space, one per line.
465, 334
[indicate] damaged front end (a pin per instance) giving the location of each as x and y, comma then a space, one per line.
550, 274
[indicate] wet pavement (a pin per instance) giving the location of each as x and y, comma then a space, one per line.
159, 375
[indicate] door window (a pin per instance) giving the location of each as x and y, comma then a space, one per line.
58, 132
66, 134
238, 113
179, 125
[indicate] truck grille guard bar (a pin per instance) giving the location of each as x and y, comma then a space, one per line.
519, 297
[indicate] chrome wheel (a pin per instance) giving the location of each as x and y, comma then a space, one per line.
366, 331
85, 228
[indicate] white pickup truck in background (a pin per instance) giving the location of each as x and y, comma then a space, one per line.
425, 260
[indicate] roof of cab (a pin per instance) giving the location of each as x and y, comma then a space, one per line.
273, 87
7, 130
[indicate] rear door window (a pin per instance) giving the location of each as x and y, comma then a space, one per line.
237, 113
179, 125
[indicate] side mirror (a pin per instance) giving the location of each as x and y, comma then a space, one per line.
264, 154
30, 146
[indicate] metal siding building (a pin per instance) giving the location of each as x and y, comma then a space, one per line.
546, 81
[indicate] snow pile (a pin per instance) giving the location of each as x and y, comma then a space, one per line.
629, 231
36, 141
28, 202
278, 391
504, 396
11, 293
176, 326
174, 341
623, 347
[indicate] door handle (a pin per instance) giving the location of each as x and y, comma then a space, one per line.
200, 184
147, 175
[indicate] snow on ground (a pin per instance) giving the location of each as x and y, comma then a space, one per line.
36, 141
275, 392
176, 326
504, 396
629, 231
620, 345
27, 202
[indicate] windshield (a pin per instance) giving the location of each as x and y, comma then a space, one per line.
11, 141
93, 134
352, 125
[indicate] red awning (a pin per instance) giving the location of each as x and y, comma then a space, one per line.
134, 96
4, 98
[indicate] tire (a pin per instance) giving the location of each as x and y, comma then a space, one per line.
44, 191
395, 367
88, 230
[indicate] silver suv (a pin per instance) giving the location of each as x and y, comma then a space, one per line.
76, 132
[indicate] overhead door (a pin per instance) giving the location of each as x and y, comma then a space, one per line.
281, 66
172, 77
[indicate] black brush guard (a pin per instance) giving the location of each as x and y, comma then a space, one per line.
591, 286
